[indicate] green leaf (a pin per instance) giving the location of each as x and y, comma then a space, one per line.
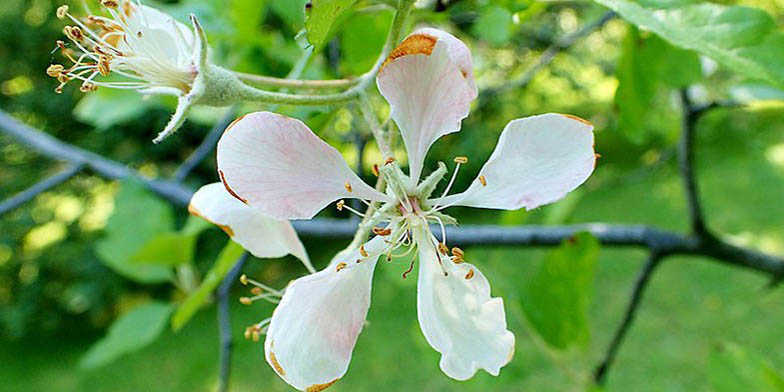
494, 25
323, 18
108, 107
291, 11
743, 39
168, 249
645, 63
732, 368
362, 39
556, 299
246, 17
227, 258
130, 332
138, 217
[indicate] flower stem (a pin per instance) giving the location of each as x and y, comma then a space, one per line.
301, 84
249, 93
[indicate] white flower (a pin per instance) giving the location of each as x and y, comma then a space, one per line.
147, 49
280, 167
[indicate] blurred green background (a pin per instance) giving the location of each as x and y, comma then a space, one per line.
702, 326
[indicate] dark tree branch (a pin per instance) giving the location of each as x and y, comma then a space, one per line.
42, 186
53, 148
224, 323
640, 285
686, 164
547, 57
205, 148
664, 242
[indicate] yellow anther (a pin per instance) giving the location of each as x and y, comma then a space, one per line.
74, 33
442, 248
87, 87
389, 160
256, 291
340, 266
362, 251
482, 180
55, 70
470, 274
457, 255
109, 3
62, 11
248, 333
461, 160
63, 78
103, 65
375, 170
340, 204
256, 335
244, 279
348, 187
246, 301
382, 232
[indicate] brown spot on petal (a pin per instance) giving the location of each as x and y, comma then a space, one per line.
234, 123
414, 44
575, 118
320, 387
228, 188
195, 212
276, 364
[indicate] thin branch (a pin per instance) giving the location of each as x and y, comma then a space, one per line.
53, 148
547, 57
297, 84
600, 375
372, 121
42, 186
206, 146
251, 94
224, 322
686, 164
666, 242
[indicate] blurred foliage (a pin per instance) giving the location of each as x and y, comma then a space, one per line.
93, 257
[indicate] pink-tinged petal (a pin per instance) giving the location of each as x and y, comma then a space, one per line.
537, 161
427, 92
457, 50
278, 165
458, 316
259, 235
316, 325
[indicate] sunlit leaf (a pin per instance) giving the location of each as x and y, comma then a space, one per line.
363, 37
109, 107
556, 299
166, 249
646, 64
323, 17
227, 258
132, 331
733, 368
138, 217
743, 39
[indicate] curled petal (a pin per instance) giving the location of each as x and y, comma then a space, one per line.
457, 50
537, 161
278, 165
173, 41
457, 315
316, 325
259, 235
428, 93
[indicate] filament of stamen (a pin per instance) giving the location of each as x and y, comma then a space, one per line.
449, 185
